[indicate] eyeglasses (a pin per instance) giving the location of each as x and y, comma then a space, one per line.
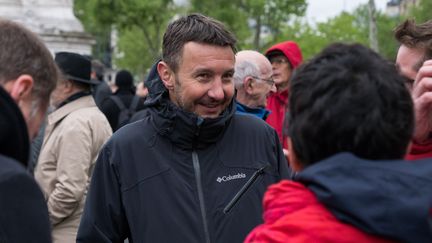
268, 81
278, 61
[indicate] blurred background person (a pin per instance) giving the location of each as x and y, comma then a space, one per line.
253, 81
75, 132
284, 57
120, 106
415, 49
100, 89
28, 75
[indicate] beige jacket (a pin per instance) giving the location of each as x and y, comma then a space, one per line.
73, 137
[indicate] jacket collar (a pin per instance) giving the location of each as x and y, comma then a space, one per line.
60, 113
258, 112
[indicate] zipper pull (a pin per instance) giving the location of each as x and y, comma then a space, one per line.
245, 187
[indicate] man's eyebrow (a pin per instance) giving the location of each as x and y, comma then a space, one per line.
202, 70
230, 71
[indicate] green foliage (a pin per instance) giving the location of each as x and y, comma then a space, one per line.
345, 27
422, 12
146, 20
141, 23
248, 18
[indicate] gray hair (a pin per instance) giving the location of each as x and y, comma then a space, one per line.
244, 69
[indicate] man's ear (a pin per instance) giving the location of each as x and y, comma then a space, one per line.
248, 85
166, 75
21, 88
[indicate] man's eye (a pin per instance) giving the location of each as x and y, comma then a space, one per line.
203, 77
227, 77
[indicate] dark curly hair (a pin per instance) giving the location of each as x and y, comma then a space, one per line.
349, 99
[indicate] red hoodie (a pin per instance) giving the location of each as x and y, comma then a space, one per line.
420, 151
277, 103
292, 213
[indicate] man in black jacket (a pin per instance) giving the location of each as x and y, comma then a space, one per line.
192, 170
123, 99
27, 77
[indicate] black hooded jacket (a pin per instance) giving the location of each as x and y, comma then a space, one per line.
175, 177
24, 213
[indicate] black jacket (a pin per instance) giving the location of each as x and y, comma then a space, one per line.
24, 213
173, 177
112, 111
100, 92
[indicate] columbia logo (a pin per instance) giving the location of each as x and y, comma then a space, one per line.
230, 177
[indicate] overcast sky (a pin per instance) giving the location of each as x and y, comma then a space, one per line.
320, 10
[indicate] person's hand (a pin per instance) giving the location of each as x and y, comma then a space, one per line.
422, 97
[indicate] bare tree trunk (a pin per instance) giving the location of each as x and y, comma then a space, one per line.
257, 36
373, 33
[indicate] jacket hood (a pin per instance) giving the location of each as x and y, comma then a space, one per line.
185, 129
388, 198
14, 138
290, 49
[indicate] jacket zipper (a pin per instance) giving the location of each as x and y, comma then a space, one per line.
197, 170
242, 191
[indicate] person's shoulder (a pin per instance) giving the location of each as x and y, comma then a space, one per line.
14, 175
10, 166
247, 122
136, 132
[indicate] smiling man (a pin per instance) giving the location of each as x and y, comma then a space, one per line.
192, 170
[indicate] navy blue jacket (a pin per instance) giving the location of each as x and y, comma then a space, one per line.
23, 210
392, 199
175, 177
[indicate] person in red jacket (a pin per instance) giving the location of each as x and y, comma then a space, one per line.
413, 62
284, 57
350, 124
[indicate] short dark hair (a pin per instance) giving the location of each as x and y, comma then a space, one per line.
349, 99
416, 36
196, 28
22, 52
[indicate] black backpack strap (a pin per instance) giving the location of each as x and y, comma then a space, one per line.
118, 102
134, 104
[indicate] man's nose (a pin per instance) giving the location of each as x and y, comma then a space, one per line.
216, 91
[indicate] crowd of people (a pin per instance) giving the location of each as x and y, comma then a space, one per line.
217, 145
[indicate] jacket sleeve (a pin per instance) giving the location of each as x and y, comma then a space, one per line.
24, 216
104, 218
73, 165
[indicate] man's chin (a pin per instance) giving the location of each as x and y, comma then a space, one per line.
210, 116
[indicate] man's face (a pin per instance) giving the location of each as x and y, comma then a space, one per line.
34, 116
407, 62
263, 86
59, 94
203, 83
32, 108
281, 70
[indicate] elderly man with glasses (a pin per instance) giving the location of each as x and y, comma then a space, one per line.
253, 81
